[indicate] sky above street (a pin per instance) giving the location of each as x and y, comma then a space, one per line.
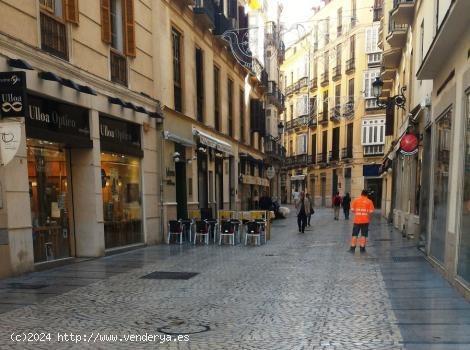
296, 11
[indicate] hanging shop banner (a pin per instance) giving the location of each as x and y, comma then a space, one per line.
409, 145
55, 121
120, 136
10, 133
13, 97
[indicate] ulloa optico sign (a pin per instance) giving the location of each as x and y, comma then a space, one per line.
13, 101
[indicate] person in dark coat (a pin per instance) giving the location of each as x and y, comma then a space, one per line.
346, 203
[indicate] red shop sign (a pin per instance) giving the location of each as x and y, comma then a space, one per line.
409, 144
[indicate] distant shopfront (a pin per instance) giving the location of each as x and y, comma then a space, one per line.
121, 154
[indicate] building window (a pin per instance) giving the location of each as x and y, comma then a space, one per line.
53, 28
200, 84
373, 131
177, 78
217, 98
325, 105
353, 13
291, 147
372, 37
338, 95
327, 31
230, 106
421, 42
351, 90
369, 77
441, 185
117, 38
339, 17
463, 268
291, 111
338, 56
301, 106
352, 47
302, 144
242, 116
326, 62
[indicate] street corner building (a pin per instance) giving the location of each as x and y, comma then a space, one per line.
132, 113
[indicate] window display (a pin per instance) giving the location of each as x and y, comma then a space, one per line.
122, 205
49, 199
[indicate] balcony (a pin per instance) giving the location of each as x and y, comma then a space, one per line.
373, 150
313, 159
53, 36
300, 122
222, 24
303, 82
272, 33
403, 11
378, 14
339, 30
118, 64
204, 11
273, 148
323, 117
350, 65
300, 160
322, 158
289, 90
397, 35
281, 52
335, 114
325, 79
314, 84
391, 58
374, 59
336, 73
333, 155
348, 109
347, 153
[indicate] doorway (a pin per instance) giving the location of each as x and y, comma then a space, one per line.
374, 186
202, 180
323, 191
219, 183
181, 195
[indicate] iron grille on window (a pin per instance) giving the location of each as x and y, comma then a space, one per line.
53, 36
118, 64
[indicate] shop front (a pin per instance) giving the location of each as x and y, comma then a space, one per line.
121, 174
52, 129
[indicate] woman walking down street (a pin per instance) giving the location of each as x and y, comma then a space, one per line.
337, 204
309, 216
346, 205
302, 206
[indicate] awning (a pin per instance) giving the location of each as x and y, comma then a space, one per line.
178, 139
297, 177
213, 142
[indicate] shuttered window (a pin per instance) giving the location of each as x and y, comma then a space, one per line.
301, 106
118, 25
106, 21
373, 131
372, 36
369, 77
71, 11
302, 144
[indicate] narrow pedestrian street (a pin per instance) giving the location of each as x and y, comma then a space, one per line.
299, 291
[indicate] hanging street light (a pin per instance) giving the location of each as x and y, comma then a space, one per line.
397, 100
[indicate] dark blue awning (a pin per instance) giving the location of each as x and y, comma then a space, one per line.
371, 170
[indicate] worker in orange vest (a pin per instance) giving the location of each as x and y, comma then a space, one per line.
362, 208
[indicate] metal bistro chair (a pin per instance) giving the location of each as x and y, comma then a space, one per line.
257, 230
175, 228
213, 228
202, 229
227, 229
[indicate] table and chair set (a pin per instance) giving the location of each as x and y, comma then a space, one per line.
232, 227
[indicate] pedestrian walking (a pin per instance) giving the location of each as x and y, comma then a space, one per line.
302, 206
362, 208
346, 203
337, 204
312, 211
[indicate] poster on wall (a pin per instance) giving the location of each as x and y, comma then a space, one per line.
10, 137
13, 94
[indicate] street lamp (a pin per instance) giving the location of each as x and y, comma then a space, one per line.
397, 100
280, 130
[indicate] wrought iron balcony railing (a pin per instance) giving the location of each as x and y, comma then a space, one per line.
347, 153
335, 113
336, 73
350, 65
333, 155
325, 78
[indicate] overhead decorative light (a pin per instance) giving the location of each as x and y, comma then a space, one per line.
19, 63
50, 76
87, 90
397, 100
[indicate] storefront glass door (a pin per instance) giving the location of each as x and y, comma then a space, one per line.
441, 182
122, 204
49, 200
463, 268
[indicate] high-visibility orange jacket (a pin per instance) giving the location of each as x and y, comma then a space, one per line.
362, 207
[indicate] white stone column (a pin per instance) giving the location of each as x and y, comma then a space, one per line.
16, 240
87, 195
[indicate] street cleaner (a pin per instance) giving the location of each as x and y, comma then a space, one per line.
362, 208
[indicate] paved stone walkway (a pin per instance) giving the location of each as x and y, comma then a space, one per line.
297, 292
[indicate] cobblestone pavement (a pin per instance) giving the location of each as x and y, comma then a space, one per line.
300, 291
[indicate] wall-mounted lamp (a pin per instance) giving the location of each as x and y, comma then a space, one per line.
397, 100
